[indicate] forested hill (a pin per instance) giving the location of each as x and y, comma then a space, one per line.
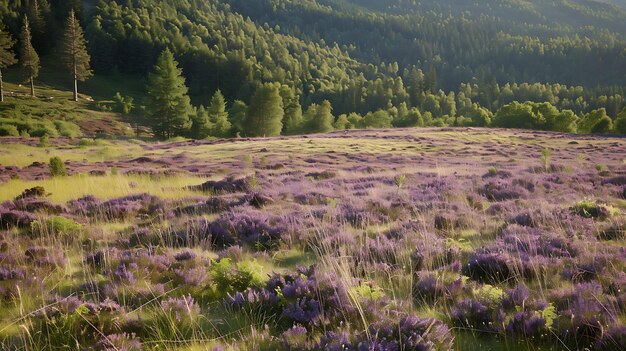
444, 57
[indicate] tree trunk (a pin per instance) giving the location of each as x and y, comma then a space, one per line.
32, 86
75, 89
1, 88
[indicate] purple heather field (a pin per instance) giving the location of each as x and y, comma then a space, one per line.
404, 239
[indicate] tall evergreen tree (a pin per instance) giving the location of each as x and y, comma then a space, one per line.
218, 116
74, 50
265, 113
29, 57
7, 57
200, 124
168, 102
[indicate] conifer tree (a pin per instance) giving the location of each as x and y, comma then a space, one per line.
218, 116
265, 113
7, 57
168, 103
74, 51
29, 57
200, 124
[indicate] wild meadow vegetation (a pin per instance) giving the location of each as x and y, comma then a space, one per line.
406, 239
155, 194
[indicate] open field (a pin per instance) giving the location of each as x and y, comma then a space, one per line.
404, 239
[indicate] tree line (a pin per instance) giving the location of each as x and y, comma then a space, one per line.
430, 70
275, 110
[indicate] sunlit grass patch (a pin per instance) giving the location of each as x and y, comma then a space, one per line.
64, 189
24, 155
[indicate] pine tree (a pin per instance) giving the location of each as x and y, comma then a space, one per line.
7, 57
29, 57
168, 102
218, 116
265, 113
200, 125
74, 50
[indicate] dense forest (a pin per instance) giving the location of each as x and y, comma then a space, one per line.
371, 63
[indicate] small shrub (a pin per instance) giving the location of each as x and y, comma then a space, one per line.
57, 226
68, 129
603, 170
57, 167
37, 191
44, 140
84, 142
9, 130
400, 180
591, 209
545, 159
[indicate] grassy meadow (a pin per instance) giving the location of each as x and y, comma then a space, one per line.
404, 239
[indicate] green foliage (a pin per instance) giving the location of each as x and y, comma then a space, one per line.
74, 49
228, 277
596, 122
29, 57
237, 116
68, 129
400, 180
530, 115
44, 141
169, 106
57, 167
293, 118
319, 118
124, 104
57, 226
378, 119
265, 113
200, 125
9, 130
218, 117
546, 154
620, 122
592, 209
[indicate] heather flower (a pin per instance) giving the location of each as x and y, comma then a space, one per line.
184, 309
119, 342
488, 266
473, 314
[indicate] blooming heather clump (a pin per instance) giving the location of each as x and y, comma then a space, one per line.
298, 298
10, 218
183, 309
119, 342
409, 333
227, 185
474, 314
117, 209
486, 266
252, 228
500, 190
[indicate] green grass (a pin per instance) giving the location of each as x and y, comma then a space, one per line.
63, 189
